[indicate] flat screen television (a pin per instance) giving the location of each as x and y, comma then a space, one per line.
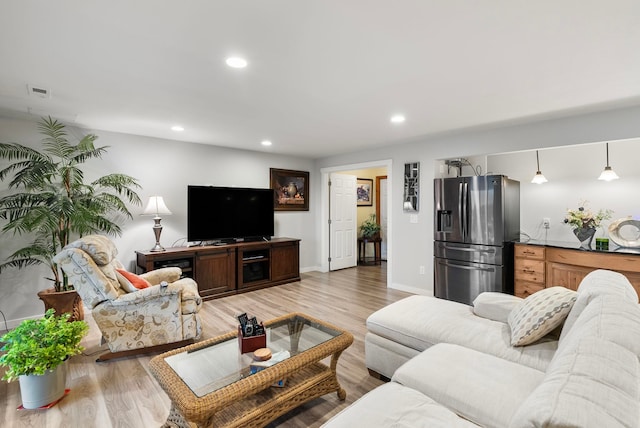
229, 213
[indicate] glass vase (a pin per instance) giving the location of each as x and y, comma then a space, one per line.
585, 235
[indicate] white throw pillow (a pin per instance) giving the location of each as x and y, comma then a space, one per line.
495, 306
539, 314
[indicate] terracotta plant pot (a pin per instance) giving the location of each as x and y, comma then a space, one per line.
62, 302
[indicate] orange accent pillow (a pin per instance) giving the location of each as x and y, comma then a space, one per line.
134, 279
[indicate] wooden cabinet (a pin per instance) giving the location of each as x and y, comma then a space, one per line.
529, 270
538, 266
229, 269
568, 267
285, 261
215, 272
254, 266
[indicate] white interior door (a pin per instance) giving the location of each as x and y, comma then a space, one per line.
342, 221
383, 218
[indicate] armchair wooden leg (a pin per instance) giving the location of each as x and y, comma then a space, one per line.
151, 349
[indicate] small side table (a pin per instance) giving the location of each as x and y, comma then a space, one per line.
377, 251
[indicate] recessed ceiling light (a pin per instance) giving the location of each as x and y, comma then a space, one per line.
236, 62
177, 128
266, 143
398, 118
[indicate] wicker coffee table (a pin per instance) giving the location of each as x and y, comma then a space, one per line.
210, 383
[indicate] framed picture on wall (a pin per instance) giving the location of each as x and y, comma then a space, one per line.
291, 189
364, 190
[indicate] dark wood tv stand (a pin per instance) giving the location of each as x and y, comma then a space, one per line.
222, 270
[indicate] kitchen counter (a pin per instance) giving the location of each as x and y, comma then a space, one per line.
541, 264
575, 245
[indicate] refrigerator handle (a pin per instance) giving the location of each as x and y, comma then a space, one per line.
460, 207
465, 214
470, 250
463, 266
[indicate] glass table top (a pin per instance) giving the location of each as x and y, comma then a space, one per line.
220, 364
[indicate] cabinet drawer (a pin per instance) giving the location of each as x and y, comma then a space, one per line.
524, 289
529, 252
529, 270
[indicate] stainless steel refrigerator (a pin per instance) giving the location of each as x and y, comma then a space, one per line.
476, 221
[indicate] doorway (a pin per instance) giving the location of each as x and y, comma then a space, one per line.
385, 208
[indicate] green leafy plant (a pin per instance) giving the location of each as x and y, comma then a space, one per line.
36, 346
50, 201
369, 228
584, 218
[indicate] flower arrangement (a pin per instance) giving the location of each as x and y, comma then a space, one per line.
584, 218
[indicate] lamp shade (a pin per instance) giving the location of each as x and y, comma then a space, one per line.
539, 178
156, 206
608, 174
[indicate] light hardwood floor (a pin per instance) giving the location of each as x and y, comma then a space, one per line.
122, 393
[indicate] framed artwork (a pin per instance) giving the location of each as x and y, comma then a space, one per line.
364, 190
291, 189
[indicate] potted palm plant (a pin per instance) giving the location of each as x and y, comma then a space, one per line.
34, 353
49, 201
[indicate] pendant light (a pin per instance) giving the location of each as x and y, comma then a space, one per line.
608, 174
538, 178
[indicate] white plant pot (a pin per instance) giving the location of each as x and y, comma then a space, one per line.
40, 390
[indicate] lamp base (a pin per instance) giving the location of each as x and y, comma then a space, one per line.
157, 230
157, 247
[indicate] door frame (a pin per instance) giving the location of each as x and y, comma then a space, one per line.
379, 178
324, 209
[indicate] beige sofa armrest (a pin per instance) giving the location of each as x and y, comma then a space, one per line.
149, 293
495, 306
169, 274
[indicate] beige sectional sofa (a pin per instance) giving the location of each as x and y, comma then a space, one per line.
452, 365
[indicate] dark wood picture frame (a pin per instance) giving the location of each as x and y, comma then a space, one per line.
291, 189
364, 192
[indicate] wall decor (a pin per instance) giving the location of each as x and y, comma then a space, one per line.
364, 190
411, 186
291, 189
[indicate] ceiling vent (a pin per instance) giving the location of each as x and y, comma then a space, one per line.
39, 91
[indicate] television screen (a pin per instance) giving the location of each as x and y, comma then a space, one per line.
225, 213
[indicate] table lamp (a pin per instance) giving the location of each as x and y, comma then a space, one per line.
155, 207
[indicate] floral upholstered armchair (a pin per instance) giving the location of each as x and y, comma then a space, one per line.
136, 314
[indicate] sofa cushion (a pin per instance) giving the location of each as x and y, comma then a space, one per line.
480, 387
495, 306
594, 379
539, 314
393, 405
595, 284
419, 322
99, 247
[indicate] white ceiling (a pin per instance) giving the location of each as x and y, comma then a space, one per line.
324, 76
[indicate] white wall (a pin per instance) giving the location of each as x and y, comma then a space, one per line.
572, 173
164, 168
413, 242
